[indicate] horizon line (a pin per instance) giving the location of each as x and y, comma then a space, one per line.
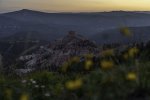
48, 11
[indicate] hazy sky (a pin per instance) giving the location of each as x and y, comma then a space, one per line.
74, 5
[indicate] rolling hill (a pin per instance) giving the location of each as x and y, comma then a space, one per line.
138, 34
55, 25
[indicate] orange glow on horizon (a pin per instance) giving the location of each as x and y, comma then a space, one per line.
76, 5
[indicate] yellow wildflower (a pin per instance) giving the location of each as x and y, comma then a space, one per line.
8, 93
106, 64
126, 56
75, 59
24, 96
88, 64
89, 56
125, 31
74, 84
131, 76
109, 52
133, 51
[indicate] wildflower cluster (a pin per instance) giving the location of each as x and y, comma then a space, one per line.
74, 84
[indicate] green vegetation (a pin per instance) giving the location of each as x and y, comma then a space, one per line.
104, 80
111, 76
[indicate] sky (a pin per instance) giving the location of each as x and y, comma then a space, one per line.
75, 5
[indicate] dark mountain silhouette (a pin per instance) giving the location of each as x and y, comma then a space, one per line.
54, 25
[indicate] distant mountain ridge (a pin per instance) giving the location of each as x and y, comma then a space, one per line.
50, 26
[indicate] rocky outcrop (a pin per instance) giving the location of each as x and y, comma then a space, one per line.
55, 54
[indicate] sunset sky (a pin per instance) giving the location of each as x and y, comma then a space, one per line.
75, 5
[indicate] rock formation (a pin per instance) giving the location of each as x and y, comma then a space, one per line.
61, 50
